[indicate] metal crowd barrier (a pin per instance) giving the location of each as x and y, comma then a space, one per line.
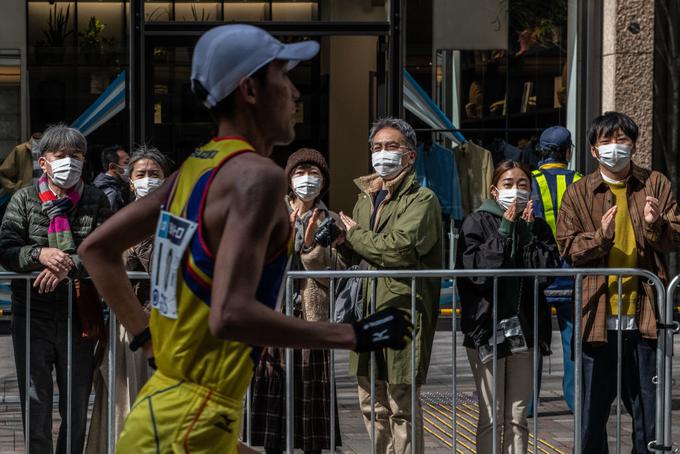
664, 348
667, 381
112, 340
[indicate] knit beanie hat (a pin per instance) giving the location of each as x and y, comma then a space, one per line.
311, 157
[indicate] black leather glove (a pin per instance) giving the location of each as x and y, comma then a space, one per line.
388, 328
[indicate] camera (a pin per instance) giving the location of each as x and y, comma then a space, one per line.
327, 232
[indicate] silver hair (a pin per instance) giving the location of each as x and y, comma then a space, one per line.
61, 137
400, 125
149, 152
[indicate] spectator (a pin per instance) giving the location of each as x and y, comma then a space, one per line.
503, 233
113, 180
147, 169
308, 180
40, 232
397, 224
619, 216
549, 183
19, 169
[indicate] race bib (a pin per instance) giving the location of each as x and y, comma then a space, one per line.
173, 235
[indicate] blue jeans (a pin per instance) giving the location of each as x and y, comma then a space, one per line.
638, 367
565, 320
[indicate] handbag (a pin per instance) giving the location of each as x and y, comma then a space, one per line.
349, 303
90, 311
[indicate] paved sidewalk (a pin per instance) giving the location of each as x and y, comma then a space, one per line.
555, 422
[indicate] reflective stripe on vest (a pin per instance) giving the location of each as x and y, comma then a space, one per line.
546, 197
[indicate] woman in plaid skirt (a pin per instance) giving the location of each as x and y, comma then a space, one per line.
308, 178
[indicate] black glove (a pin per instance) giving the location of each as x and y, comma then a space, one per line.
388, 328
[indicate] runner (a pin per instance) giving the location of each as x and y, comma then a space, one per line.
223, 220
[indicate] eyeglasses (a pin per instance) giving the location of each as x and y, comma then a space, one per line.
387, 146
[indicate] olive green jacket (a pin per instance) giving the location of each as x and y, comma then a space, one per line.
407, 235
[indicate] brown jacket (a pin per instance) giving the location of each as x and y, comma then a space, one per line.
582, 244
16, 171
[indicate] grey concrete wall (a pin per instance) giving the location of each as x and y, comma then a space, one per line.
13, 25
628, 66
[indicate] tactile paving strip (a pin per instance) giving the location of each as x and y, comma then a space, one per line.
438, 422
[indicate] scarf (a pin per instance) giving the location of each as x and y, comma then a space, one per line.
56, 209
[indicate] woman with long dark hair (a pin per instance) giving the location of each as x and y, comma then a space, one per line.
503, 233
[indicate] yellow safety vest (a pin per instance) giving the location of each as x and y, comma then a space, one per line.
548, 204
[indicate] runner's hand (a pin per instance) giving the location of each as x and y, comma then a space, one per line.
608, 223
388, 328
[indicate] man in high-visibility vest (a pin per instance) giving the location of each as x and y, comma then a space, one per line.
549, 183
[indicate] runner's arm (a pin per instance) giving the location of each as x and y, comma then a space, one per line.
102, 255
235, 314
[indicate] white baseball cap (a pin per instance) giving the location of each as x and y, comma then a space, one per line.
226, 54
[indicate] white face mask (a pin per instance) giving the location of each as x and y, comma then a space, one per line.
66, 172
387, 163
307, 187
146, 185
614, 156
505, 198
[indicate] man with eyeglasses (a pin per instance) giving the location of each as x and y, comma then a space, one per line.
396, 224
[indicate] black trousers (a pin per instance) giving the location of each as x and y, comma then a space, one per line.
49, 350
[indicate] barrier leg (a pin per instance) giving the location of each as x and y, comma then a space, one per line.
289, 375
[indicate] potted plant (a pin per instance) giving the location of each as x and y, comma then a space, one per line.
93, 46
52, 49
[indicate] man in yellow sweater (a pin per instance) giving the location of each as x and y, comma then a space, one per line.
620, 216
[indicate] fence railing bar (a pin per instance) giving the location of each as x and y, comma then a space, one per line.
69, 368
494, 367
414, 413
331, 308
454, 390
111, 410
289, 375
668, 366
27, 380
374, 294
535, 360
578, 361
619, 360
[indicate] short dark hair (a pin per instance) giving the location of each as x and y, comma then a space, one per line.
225, 108
110, 155
608, 123
504, 166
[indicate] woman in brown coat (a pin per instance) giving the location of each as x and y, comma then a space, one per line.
308, 178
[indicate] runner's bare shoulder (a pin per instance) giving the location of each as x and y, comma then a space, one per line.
250, 187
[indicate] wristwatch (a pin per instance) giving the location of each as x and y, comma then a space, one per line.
35, 254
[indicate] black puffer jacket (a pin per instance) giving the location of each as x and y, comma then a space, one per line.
488, 241
115, 190
24, 228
